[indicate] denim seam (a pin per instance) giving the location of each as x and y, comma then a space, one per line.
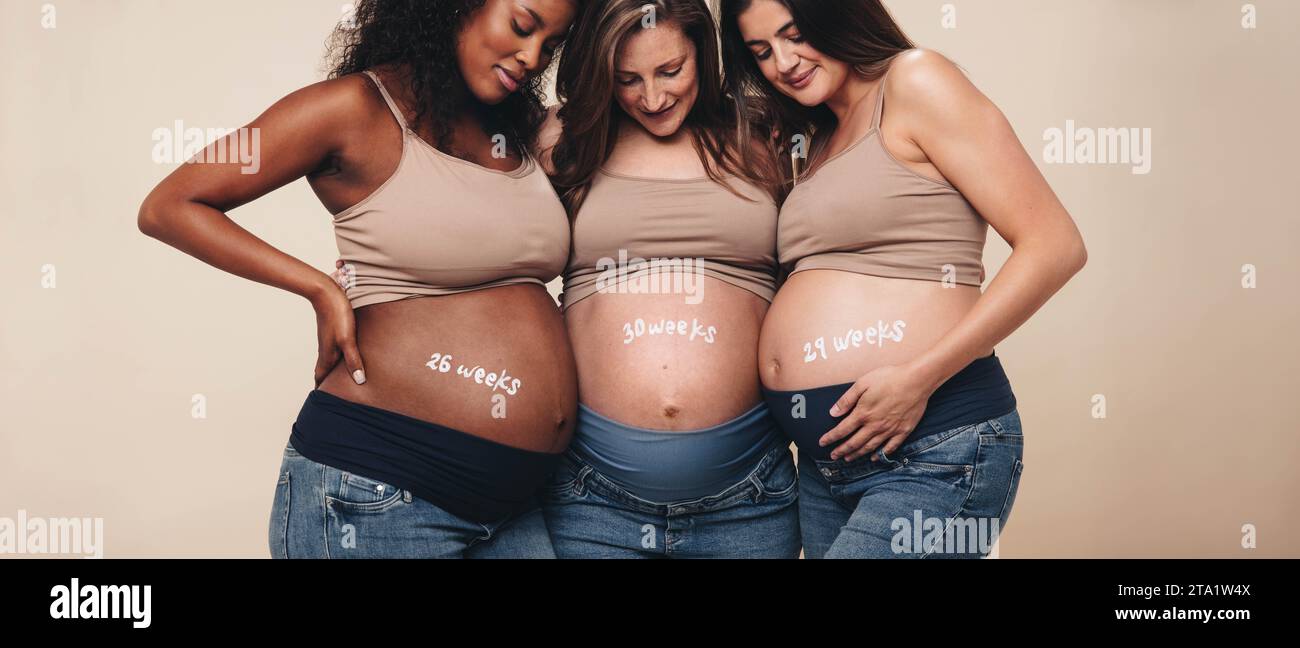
1016, 469
325, 513
970, 492
285, 502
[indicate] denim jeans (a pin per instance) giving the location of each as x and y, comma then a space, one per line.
946, 495
590, 516
323, 512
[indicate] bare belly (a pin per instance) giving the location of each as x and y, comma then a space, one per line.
493, 363
828, 327
654, 361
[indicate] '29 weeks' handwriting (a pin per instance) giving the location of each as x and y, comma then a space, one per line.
854, 339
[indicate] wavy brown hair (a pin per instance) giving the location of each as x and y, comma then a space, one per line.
861, 33
591, 117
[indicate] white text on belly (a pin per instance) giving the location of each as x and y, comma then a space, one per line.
441, 363
696, 331
855, 338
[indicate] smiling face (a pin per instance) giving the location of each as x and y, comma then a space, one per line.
507, 42
655, 78
789, 63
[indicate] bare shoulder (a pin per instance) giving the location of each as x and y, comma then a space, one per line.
334, 103
931, 90
922, 76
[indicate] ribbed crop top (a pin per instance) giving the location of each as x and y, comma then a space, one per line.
627, 218
441, 225
862, 211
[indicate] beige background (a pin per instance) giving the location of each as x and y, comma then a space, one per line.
1199, 374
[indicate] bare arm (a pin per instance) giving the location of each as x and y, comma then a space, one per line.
298, 135
968, 139
187, 209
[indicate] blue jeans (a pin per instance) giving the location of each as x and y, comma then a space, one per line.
323, 512
946, 495
590, 516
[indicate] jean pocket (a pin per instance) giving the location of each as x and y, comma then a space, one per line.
357, 492
568, 479
951, 452
780, 480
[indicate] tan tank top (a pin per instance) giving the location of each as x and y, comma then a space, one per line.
626, 218
441, 225
862, 211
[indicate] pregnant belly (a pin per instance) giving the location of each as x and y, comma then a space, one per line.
828, 327
655, 361
492, 363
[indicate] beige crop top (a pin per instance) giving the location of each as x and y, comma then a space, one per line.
696, 220
441, 225
862, 211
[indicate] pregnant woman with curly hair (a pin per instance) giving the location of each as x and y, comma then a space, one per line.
417, 147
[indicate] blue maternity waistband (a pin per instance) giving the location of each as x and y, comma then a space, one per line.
666, 467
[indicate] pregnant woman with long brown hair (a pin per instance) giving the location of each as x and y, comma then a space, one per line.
675, 454
877, 354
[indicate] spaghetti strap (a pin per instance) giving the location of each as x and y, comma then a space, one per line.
392, 105
880, 99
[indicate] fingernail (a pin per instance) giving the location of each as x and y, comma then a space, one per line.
359, 377
835, 411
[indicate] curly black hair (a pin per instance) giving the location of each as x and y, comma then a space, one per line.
420, 37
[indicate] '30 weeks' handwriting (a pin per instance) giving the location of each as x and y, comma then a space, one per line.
873, 336
696, 330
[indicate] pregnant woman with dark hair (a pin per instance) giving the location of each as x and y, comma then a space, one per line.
456, 390
877, 354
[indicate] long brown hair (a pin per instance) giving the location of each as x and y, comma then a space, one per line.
585, 85
861, 33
